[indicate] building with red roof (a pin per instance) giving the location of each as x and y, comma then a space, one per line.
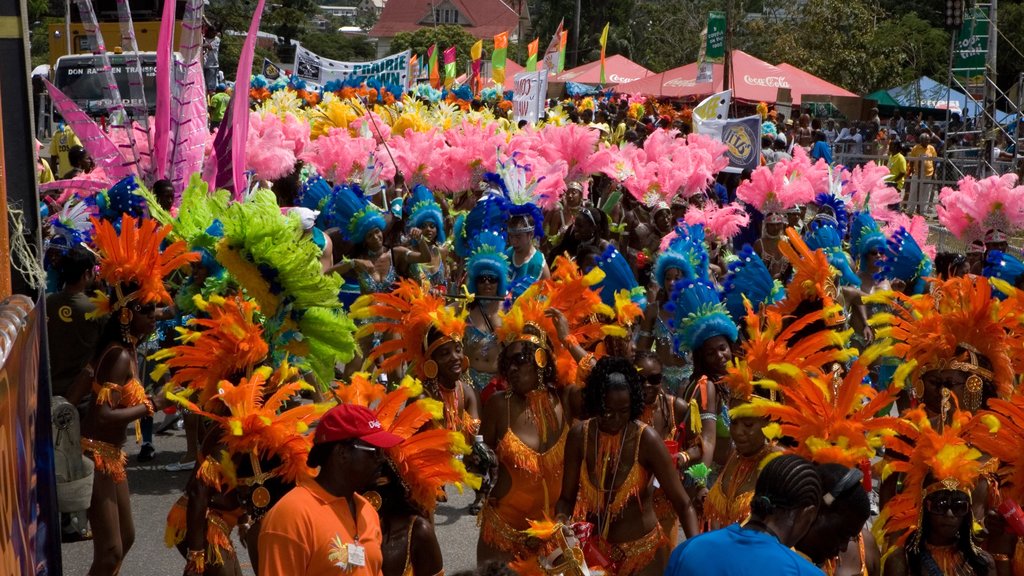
482, 18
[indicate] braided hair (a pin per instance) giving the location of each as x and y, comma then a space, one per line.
788, 482
604, 378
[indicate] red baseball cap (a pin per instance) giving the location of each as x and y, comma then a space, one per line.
353, 422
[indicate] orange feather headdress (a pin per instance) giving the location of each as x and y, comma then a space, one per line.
133, 258
999, 432
409, 312
958, 314
935, 461
224, 346
253, 423
426, 460
813, 280
774, 354
833, 419
570, 292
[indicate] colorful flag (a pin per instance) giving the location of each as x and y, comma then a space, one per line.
414, 67
561, 50
604, 43
476, 53
498, 58
449, 67
435, 76
531, 55
551, 54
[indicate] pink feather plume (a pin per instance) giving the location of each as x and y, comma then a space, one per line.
338, 156
723, 223
867, 188
416, 154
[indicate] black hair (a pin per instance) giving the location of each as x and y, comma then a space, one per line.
850, 502
788, 482
599, 219
599, 383
73, 264
819, 136
586, 250
75, 155
700, 367
944, 261
918, 556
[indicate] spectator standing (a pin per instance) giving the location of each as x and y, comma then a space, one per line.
821, 149
921, 171
64, 140
211, 57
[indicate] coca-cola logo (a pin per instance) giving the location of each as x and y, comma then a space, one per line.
767, 81
620, 79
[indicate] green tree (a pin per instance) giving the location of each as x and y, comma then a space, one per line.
337, 46
1010, 63
594, 14
444, 36
665, 35
917, 47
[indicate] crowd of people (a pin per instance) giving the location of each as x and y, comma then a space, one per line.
618, 344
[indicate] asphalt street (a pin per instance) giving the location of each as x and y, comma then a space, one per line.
154, 490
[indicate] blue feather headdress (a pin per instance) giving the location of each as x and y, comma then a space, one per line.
420, 208
487, 257
699, 315
749, 277
618, 276
905, 261
865, 237
510, 178
354, 214
121, 199
1005, 267
832, 205
686, 251
823, 234
490, 213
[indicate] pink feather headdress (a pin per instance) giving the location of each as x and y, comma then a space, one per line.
722, 223
999, 205
416, 154
471, 151
867, 188
668, 166
786, 185
957, 213
578, 146
338, 156
274, 144
916, 226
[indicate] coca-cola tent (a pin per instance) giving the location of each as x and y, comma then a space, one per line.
617, 70
753, 80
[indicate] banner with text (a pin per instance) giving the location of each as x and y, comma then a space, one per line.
971, 48
528, 95
318, 70
741, 135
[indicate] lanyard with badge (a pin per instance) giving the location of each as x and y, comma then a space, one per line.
349, 556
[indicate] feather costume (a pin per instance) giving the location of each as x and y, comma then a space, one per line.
959, 313
749, 280
812, 281
699, 315
683, 249
943, 456
428, 458
722, 224
408, 312
905, 261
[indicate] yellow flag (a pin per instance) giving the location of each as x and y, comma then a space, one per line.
604, 42
477, 51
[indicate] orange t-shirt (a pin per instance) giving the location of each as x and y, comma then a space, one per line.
307, 532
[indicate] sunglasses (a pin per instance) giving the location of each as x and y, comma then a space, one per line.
371, 449
654, 380
516, 359
487, 279
958, 505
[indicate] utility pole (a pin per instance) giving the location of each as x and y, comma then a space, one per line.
727, 65
576, 37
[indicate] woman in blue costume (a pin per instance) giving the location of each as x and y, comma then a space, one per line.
867, 244
525, 225
374, 266
487, 279
423, 212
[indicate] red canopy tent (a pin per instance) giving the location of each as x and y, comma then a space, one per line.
753, 80
511, 69
617, 70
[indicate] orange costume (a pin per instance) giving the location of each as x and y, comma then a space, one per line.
608, 504
536, 485
219, 524
311, 532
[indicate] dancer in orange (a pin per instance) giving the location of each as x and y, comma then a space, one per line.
133, 267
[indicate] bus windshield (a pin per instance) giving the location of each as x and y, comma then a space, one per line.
79, 78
